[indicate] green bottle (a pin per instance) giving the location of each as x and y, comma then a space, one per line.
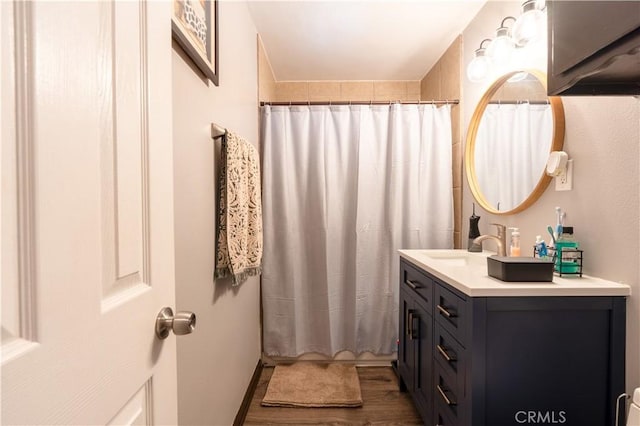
566, 254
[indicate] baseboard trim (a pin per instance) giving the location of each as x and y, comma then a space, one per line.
248, 396
364, 360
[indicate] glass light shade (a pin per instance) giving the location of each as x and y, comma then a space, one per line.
479, 68
501, 48
529, 27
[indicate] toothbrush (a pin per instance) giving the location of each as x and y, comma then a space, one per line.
550, 229
558, 223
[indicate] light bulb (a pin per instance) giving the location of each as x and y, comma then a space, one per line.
501, 48
480, 66
478, 69
530, 25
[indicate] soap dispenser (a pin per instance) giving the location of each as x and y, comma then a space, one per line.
514, 249
474, 232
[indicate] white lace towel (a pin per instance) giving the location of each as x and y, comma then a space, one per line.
239, 251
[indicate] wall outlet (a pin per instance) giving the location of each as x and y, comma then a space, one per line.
564, 181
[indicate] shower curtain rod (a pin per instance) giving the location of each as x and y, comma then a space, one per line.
219, 131
519, 102
329, 103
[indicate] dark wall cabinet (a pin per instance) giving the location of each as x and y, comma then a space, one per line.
508, 360
594, 47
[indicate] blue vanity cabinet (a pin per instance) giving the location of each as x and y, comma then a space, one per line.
555, 358
510, 360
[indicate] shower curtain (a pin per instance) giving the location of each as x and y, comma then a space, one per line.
345, 187
512, 148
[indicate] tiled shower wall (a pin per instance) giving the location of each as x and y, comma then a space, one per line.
325, 91
442, 82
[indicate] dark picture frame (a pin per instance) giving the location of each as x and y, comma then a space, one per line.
194, 26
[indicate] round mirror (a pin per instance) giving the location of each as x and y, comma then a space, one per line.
513, 129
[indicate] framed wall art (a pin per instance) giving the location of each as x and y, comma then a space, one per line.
194, 26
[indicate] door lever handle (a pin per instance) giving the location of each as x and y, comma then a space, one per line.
182, 322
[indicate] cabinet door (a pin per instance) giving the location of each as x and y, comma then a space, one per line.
406, 353
423, 379
562, 355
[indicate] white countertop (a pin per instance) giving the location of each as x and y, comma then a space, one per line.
467, 272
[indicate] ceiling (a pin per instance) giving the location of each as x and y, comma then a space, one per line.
358, 40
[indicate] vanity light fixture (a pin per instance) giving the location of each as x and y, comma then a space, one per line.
480, 65
502, 52
502, 47
529, 26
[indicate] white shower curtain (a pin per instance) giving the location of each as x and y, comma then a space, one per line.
512, 147
345, 187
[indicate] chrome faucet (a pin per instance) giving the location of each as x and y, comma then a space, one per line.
500, 239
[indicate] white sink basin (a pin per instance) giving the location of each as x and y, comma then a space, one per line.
457, 257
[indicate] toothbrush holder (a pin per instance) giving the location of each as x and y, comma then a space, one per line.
567, 259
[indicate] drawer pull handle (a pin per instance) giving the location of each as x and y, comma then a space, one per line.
410, 325
412, 318
446, 313
444, 396
406, 323
412, 284
445, 354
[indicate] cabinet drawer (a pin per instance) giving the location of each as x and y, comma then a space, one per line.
446, 394
416, 280
450, 312
443, 416
450, 356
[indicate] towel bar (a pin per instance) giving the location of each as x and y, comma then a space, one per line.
217, 131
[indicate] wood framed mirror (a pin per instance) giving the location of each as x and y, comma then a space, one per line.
512, 131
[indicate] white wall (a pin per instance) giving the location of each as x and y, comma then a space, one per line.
603, 138
216, 362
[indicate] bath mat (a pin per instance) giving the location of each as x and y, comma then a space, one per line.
306, 384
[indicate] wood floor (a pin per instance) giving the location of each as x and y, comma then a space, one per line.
383, 404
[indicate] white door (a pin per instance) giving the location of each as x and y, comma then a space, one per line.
87, 213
